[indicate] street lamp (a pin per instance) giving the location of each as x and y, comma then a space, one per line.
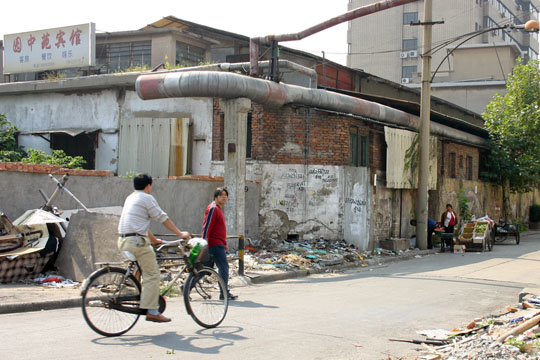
425, 108
529, 26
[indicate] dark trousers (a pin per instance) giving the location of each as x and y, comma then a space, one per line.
449, 229
219, 256
429, 235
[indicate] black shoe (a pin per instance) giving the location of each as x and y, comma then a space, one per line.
231, 297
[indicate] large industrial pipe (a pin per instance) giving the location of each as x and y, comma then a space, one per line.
350, 15
230, 85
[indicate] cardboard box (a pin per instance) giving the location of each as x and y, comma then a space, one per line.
459, 249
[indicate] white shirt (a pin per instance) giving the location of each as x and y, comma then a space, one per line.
139, 209
449, 216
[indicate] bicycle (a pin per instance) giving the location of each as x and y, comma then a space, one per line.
110, 295
504, 231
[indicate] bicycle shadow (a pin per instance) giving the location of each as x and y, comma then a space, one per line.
173, 341
251, 304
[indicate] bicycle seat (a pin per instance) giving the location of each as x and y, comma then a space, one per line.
129, 255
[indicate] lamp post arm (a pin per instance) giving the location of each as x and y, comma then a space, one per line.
461, 43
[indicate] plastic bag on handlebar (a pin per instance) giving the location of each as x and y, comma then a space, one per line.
204, 255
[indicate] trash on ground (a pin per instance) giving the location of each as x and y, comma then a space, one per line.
514, 334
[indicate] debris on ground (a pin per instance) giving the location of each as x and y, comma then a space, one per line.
515, 334
309, 254
52, 279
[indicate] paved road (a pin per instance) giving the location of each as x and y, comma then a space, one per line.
331, 316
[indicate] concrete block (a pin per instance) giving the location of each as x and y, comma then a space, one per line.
91, 237
395, 244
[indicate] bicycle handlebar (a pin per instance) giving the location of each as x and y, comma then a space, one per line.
170, 243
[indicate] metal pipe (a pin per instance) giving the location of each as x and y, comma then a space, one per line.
350, 15
244, 66
230, 85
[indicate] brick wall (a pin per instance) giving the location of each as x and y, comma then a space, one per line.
284, 135
457, 154
49, 169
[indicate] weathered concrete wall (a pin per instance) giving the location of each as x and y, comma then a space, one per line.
50, 111
357, 209
90, 238
315, 201
485, 198
103, 109
184, 200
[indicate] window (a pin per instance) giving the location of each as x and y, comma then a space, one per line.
407, 71
80, 145
249, 135
358, 148
452, 165
461, 161
410, 44
120, 56
469, 173
409, 17
188, 54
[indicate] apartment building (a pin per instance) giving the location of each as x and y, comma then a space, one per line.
473, 73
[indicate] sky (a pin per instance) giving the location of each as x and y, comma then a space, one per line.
249, 18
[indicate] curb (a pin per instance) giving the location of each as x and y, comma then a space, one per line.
291, 274
39, 306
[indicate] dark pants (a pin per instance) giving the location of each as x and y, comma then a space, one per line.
430, 230
449, 229
219, 256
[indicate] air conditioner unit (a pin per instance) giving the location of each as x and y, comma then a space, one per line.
405, 80
403, 55
413, 53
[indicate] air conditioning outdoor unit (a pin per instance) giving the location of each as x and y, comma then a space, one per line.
413, 53
405, 80
403, 55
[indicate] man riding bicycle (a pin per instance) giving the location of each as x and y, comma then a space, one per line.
139, 209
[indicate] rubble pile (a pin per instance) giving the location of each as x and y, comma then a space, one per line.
514, 334
308, 254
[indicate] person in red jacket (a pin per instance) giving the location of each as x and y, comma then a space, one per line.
449, 219
214, 231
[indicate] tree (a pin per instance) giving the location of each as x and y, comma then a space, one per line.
513, 123
9, 149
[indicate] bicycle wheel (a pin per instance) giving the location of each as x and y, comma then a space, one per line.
517, 238
110, 301
203, 297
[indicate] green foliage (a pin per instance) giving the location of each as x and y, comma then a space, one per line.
129, 175
513, 122
520, 344
411, 160
133, 69
534, 213
463, 205
58, 157
10, 156
9, 149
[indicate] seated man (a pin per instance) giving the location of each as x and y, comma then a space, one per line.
139, 209
431, 226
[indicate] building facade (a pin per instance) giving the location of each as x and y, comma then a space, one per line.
393, 51
323, 168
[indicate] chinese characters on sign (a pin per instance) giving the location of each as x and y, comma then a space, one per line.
50, 49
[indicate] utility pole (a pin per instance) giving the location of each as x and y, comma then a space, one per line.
425, 109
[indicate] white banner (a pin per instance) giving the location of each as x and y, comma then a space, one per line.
50, 49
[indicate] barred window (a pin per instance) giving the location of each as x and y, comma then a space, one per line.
188, 54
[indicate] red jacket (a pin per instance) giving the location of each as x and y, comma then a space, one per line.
214, 229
